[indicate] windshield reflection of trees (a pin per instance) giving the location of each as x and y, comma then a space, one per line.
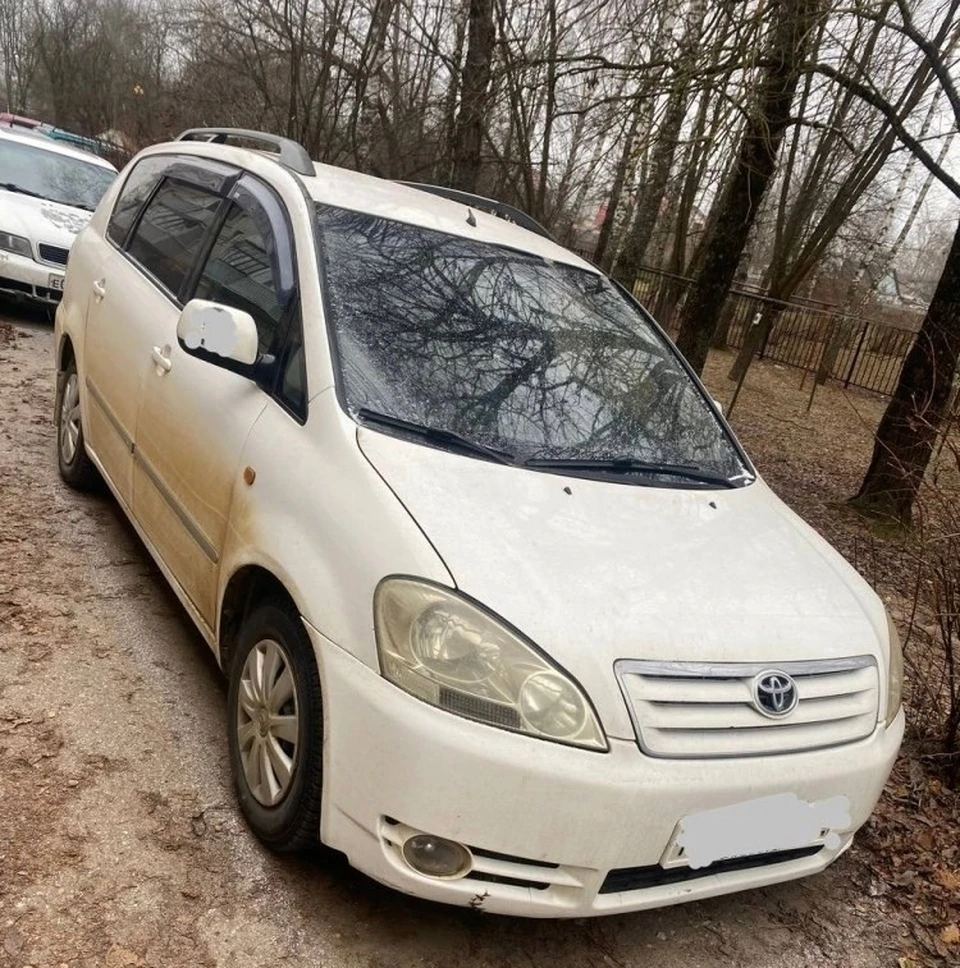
534, 357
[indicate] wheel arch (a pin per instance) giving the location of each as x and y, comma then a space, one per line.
65, 352
249, 585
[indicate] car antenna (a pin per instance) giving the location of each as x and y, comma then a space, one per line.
471, 218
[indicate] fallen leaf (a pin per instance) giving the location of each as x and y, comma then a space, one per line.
118, 957
950, 934
925, 840
947, 879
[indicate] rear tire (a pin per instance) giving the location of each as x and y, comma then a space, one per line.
76, 468
275, 728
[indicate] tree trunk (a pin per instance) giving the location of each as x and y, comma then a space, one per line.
754, 170
721, 335
651, 196
475, 90
616, 190
911, 422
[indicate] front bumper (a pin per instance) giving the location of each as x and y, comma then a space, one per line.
550, 822
28, 279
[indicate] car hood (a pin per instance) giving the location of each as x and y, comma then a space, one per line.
40, 220
594, 571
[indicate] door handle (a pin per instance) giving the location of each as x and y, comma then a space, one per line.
100, 288
163, 362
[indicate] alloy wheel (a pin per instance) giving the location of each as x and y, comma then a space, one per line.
267, 722
70, 419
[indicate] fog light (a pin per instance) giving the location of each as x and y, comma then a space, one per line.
435, 856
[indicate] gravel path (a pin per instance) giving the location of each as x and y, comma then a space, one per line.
120, 843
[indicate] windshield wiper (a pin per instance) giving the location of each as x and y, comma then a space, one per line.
10, 187
629, 465
436, 435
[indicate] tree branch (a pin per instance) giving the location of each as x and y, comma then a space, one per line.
882, 105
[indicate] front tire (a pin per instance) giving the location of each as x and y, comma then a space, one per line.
275, 728
76, 468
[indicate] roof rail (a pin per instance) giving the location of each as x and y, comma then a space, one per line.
489, 205
292, 155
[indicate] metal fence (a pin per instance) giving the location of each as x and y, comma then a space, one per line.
865, 353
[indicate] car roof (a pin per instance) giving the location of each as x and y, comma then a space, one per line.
37, 139
387, 199
353, 190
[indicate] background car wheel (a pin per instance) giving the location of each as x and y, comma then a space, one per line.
76, 468
275, 728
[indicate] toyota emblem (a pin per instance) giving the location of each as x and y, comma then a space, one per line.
775, 694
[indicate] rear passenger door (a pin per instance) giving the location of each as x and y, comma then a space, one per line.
116, 344
195, 415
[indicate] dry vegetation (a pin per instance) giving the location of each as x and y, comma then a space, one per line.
815, 461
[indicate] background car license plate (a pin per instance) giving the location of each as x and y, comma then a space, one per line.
779, 822
55, 282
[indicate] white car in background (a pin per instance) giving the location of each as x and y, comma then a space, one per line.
48, 192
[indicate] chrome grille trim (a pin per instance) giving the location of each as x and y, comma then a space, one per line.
704, 710
730, 670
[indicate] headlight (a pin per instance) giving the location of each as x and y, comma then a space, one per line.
894, 674
451, 653
15, 243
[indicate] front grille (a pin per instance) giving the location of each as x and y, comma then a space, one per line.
55, 254
703, 710
55, 295
638, 878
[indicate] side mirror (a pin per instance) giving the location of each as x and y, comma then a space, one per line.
212, 328
719, 406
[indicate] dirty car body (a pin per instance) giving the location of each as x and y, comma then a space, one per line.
509, 618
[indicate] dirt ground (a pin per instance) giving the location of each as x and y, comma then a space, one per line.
120, 842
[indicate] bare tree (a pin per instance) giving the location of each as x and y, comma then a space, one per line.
18, 53
768, 120
909, 427
474, 90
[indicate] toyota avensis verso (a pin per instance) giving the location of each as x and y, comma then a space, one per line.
47, 192
507, 615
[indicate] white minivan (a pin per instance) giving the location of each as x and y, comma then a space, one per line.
507, 614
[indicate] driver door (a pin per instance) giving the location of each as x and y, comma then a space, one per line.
195, 416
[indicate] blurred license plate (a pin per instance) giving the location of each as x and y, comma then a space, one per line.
55, 282
779, 822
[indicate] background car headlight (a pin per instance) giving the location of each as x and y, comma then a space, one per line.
894, 674
453, 654
15, 243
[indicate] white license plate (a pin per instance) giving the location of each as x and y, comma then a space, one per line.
779, 822
55, 282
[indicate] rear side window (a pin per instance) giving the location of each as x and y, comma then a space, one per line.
168, 237
139, 184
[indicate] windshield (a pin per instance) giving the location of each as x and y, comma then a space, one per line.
47, 174
540, 360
